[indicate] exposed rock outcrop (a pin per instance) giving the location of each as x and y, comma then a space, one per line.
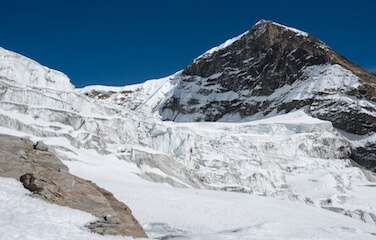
48, 178
365, 156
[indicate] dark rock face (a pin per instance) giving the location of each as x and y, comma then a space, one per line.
365, 156
275, 69
48, 178
349, 117
269, 56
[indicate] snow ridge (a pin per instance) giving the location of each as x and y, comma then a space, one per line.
299, 32
227, 43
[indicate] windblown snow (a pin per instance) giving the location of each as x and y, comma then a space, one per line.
282, 177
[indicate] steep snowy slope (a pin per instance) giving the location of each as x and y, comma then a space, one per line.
287, 170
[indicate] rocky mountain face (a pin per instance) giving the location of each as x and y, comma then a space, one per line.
273, 69
48, 178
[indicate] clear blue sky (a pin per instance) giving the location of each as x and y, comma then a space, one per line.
121, 42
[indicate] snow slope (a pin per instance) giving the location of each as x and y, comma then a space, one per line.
27, 218
205, 214
201, 180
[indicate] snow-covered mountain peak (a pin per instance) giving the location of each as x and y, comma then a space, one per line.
273, 69
264, 24
260, 28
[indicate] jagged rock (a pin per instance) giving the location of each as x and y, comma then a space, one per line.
48, 178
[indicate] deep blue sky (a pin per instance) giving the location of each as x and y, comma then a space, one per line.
121, 42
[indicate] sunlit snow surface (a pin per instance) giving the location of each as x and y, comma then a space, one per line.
24, 217
288, 166
204, 214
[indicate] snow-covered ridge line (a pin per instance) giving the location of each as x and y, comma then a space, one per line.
109, 88
144, 97
152, 84
227, 43
297, 31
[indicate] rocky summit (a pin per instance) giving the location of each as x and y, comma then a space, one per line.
273, 69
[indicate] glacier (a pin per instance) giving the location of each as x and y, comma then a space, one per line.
196, 180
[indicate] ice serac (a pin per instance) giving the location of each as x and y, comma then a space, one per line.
274, 69
24, 71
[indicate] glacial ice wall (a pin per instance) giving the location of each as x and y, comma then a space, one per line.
285, 156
